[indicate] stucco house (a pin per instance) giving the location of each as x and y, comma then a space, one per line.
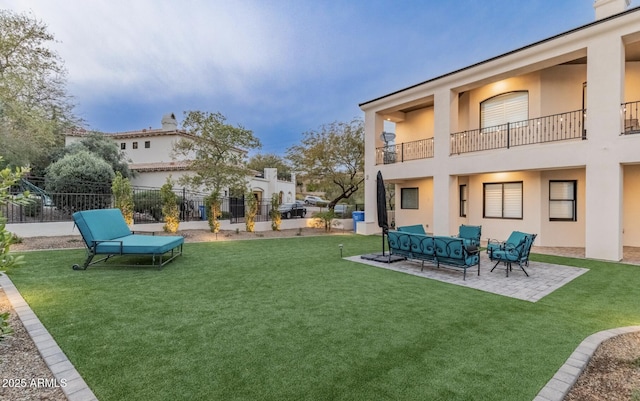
149, 152
543, 139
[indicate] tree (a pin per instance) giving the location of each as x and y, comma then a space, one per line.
34, 105
103, 147
218, 151
269, 160
332, 157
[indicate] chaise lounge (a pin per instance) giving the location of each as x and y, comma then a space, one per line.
105, 232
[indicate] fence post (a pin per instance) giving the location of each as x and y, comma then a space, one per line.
508, 134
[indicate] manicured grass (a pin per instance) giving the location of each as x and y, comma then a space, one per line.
288, 319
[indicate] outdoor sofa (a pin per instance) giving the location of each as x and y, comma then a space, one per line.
105, 232
446, 250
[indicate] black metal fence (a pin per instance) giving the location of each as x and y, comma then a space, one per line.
44, 206
630, 118
401, 152
558, 127
51, 207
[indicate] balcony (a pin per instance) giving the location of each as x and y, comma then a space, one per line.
402, 152
557, 127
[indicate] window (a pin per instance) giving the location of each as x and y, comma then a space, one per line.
123, 145
463, 200
562, 201
409, 198
506, 108
147, 144
503, 200
135, 145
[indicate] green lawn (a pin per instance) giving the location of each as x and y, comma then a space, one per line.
288, 319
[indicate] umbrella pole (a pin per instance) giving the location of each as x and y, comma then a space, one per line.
383, 233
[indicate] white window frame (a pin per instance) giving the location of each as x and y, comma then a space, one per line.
503, 200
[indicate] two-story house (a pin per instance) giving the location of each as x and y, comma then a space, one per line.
149, 152
544, 139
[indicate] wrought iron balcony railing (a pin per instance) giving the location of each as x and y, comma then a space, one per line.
402, 152
557, 127
630, 116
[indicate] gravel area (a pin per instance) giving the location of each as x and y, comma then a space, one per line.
612, 374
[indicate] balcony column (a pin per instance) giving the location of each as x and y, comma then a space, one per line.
373, 127
604, 174
444, 185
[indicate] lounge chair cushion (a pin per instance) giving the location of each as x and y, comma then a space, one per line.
104, 224
139, 245
415, 229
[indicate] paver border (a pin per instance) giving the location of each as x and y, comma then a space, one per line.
75, 388
561, 383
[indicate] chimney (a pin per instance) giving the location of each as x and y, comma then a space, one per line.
169, 122
607, 8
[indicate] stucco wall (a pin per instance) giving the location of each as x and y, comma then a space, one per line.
417, 124
562, 233
424, 214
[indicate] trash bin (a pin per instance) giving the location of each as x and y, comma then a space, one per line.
203, 212
357, 216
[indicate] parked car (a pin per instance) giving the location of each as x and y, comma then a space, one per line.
289, 210
315, 200
340, 209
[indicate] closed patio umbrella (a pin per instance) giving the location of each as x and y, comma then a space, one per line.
382, 207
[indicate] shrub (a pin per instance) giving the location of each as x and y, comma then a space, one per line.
5, 329
80, 181
274, 213
213, 204
9, 177
325, 218
170, 210
123, 196
251, 212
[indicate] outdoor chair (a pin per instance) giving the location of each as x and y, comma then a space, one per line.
105, 232
470, 235
515, 250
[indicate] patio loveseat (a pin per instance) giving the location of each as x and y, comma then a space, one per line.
105, 232
449, 251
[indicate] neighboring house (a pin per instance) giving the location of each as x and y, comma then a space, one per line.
544, 139
149, 152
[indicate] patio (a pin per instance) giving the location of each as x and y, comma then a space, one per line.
544, 278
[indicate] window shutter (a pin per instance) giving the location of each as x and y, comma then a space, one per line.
493, 200
506, 108
513, 200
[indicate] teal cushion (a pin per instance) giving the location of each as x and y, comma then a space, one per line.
102, 224
415, 229
470, 232
140, 245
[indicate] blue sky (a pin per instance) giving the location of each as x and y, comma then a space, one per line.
278, 68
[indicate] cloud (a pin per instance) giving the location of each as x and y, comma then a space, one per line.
162, 48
